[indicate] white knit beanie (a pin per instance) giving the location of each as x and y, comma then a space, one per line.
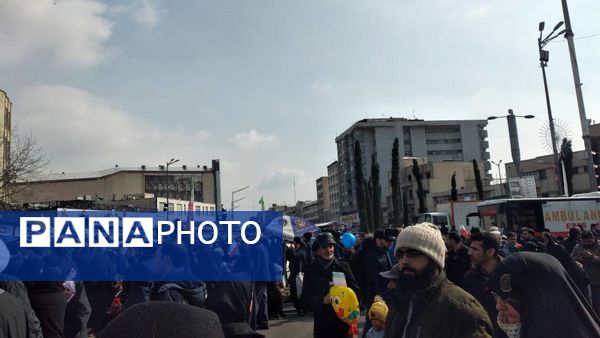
425, 237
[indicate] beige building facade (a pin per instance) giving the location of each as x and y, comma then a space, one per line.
323, 200
436, 179
123, 184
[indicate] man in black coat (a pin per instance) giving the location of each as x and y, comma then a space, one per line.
483, 253
317, 282
376, 260
297, 257
458, 261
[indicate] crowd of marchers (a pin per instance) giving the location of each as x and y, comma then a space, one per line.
428, 282
419, 281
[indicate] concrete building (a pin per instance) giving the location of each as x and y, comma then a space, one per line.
309, 210
5, 137
459, 140
546, 180
323, 201
125, 184
334, 191
436, 179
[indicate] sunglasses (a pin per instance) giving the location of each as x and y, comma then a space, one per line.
408, 253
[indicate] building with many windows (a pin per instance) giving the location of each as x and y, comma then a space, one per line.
437, 186
334, 191
323, 201
126, 185
546, 176
457, 140
5, 136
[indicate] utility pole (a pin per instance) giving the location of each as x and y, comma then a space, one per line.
585, 130
544, 58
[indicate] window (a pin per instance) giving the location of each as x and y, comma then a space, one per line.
409, 178
542, 174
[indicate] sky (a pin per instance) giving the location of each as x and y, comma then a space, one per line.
266, 85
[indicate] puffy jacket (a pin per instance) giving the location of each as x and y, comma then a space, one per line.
441, 310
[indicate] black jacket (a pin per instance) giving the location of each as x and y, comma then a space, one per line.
551, 304
297, 259
316, 286
457, 265
376, 261
474, 283
231, 301
181, 291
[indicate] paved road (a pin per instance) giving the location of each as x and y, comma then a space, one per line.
294, 326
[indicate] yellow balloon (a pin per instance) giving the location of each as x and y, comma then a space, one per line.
345, 304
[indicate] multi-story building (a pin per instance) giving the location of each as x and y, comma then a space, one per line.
546, 179
309, 210
459, 140
5, 137
125, 184
334, 191
436, 178
323, 201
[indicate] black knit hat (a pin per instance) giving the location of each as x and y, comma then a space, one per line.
324, 238
163, 320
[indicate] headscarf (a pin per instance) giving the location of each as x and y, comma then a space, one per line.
550, 304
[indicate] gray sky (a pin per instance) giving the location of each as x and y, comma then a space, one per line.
265, 86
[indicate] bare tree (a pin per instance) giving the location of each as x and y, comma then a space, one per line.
25, 163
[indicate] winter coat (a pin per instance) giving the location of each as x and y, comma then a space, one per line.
193, 293
551, 305
457, 264
297, 259
474, 283
591, 265
19, 291
315, 287
376, 261
441, 310
232, 301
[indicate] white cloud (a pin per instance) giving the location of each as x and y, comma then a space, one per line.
82, 132
252, 139
147, 13
70, 32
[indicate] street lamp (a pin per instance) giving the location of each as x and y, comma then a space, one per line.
172, 161
544, 57
233, 200
514, 136
585, 130
499, 176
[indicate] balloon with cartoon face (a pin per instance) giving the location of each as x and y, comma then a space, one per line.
345, 305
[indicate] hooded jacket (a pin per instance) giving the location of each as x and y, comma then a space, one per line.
551, 305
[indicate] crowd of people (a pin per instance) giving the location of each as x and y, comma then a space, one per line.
438, 283
420, 281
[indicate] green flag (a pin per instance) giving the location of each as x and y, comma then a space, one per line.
261, 201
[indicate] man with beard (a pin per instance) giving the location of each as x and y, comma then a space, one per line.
425, 303
318, 278
587, 252
483, 252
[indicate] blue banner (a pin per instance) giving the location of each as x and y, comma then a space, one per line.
140, 246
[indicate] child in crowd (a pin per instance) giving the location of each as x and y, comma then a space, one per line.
377, 315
